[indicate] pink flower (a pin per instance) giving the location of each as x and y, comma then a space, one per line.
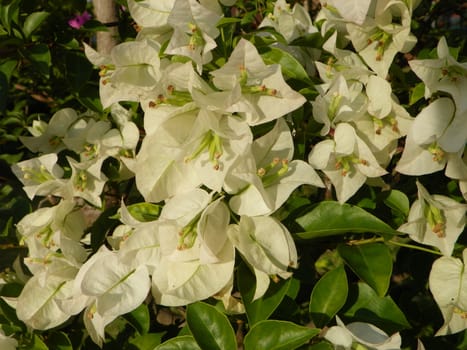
79, 20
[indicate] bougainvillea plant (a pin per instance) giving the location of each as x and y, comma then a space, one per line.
263, 179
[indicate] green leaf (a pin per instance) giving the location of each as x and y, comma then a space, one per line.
37, 344
33, 21
78, 69
263, 307
328, 296
9, 14
3, 91
371, 262
398, 201
290, 66
101, 227
146, 341
185, 342
88, 96
10, 314
366, 306
210, 327
329, 218
40, 57
139, 318
7, 68
322, 346
59, 341
278, 335
417, 93
227, 20
144, 211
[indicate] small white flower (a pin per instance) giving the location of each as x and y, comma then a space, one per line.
435, 220
87, 181
265, 94
291, 23
436, 132
7, 342
267, 246
40, 176
448, 281
262, 181
346, 160
381, 37
443, 74
48, 137
195, 29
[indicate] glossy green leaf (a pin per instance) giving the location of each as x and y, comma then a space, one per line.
101, 227
263, 307
144, 211
88, 96
8, 67
227, 20
8, 313
417, 93
185, 342
371, 262
291, 68
3, 91
6, 70
146, 341
9, 14
36, 343
210, 327
59, 341
328, 296
33, 21
331, 218
278, 335
366, 306
398, 201
40, 57
139, 318
324, 345
78, 69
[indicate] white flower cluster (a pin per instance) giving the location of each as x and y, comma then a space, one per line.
218, 183
198, 157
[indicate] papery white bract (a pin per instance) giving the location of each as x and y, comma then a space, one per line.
347, 336
7, 342
339, 102
40, 176
48, 137
437, 130
129, 73
291, 23
346, 160
379, 38
113, 288
265, 94
448, 281
38, 304
266, 245
87, 181
152, 14
194, 30
435, 220
261, 182
443, 74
